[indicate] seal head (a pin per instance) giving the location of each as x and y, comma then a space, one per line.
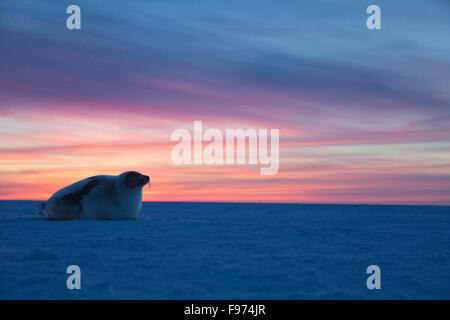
134, 179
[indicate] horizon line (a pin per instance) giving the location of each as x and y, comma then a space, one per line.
286, 203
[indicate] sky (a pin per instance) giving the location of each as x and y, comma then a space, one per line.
364, 115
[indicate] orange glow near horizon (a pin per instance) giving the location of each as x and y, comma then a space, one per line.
35, 163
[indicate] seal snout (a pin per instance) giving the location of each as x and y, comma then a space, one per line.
144, 180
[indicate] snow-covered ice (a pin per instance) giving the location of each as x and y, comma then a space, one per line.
229, 251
